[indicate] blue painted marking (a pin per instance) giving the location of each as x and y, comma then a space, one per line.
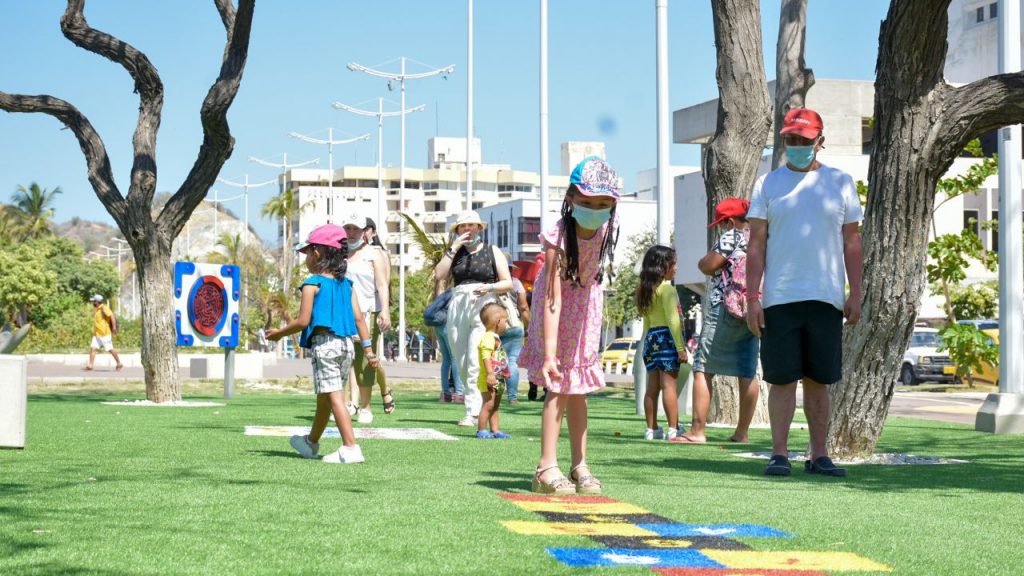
234, 272
719, 530
650, 557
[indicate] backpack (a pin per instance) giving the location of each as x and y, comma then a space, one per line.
734, 286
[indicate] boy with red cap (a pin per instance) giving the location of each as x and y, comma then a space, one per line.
805, 244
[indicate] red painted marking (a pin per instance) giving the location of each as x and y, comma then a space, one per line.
563, 499
734, 571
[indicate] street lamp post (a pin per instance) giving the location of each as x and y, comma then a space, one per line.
401, 77
286, 240
545, 219
330, 160
664, 163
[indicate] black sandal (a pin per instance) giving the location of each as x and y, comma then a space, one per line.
778, 465
823, 465
389, 405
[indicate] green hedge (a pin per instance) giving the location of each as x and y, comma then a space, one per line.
73, 333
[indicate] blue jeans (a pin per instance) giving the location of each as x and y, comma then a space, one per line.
512, 342
450, 376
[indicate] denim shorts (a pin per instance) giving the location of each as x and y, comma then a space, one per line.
726, 346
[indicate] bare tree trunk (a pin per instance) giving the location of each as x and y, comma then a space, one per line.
151, 238
159, 353
792, 76
732, 156
921, 125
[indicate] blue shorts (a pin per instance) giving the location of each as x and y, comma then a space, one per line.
660, 350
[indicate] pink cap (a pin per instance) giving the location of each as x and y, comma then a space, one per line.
327, 235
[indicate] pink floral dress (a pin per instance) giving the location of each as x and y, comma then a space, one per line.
579, 327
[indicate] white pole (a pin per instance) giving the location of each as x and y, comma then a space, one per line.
382, 197
401, 230
665, 191
545, 219
330, 173
469, 112
1011, 275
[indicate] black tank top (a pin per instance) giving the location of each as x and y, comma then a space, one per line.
474, 268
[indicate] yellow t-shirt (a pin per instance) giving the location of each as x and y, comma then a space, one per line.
664, 311
491, 353
101, 321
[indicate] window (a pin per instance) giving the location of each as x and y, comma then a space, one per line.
478, 205
980, 14
995, 232
502, 234
435, 206
993, 10
529, 228
971, 221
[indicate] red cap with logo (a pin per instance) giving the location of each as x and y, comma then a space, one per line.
802, 122
730, 208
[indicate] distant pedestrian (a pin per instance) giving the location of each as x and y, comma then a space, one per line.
329, 317
494, 370
805, 241
104, 328
726, 346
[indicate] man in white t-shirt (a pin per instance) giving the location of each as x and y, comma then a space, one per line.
805, 243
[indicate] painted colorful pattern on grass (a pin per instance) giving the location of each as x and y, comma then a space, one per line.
632, 536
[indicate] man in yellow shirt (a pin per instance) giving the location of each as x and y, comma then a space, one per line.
104, 326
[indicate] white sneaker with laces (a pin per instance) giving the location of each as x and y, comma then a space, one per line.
365, 417
346, 455
468, 421
304, 447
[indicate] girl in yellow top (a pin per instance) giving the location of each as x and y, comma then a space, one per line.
664, 347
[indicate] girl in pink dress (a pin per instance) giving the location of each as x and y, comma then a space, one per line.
562, 347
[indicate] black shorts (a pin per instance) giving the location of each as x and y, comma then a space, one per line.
802, 340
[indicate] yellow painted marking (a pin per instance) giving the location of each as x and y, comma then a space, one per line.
830, 561
580, 508
575, 528
667, 543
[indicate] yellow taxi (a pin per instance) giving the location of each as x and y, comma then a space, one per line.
619, 351
989, 372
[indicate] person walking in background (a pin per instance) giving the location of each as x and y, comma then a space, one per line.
726, 345
367, 270
664, 347
329, 316
805, 241
104, 327
451, 378
562, 350
479, 272
512, 338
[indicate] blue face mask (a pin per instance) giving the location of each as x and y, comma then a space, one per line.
472, 243
800, 156
589, 218
355, 245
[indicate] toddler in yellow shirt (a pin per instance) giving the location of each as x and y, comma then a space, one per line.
494, 370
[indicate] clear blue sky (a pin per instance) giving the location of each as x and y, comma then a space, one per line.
601, 81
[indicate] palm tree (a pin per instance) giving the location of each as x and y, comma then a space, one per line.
286, 207
233, 250
433, 245
34, 210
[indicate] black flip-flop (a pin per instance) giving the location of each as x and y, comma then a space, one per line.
778, 465
823, 465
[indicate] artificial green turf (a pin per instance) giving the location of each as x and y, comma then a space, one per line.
129, 490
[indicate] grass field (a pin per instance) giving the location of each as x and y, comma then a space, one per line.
129, 490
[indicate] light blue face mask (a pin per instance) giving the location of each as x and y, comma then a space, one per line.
589, 218
800, 156
356, 245
472, 243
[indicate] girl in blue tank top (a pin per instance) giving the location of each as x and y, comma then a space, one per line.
329, 317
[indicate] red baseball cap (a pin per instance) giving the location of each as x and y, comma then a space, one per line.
802, 122
730, 208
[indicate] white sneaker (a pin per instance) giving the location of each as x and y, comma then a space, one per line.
365, 417
672, 433
304, 447
655, 434
351, 409
468, 421
346, 455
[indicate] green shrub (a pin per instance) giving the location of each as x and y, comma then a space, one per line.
72, 333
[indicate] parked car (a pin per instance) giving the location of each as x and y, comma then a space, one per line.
982, 324
989, 372
620, 351
922, 361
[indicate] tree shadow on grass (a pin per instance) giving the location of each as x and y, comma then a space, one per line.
506, 481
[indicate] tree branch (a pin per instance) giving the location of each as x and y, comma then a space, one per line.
984, 105
217, 140
98, 163
151, 98
227, 15
792, 76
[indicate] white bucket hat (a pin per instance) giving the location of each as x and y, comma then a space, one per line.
468, 217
